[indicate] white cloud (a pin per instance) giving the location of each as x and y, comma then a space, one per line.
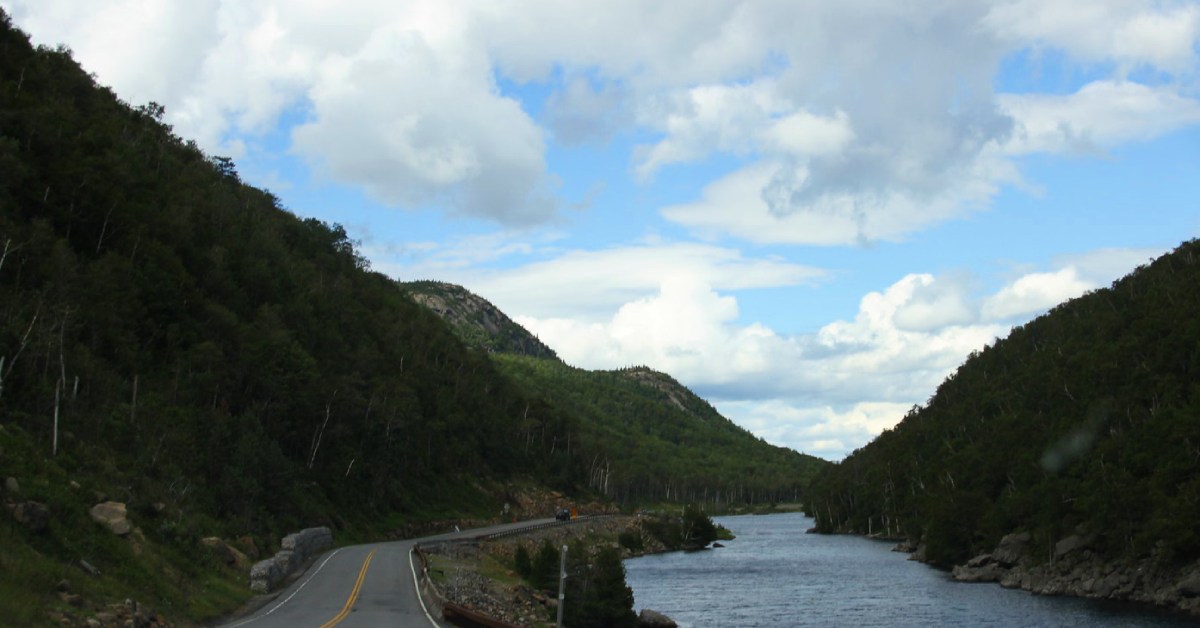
417, 120
877, 116
1035, 292
1100, 115
758, 203
818, 430
1159, 34
591, 286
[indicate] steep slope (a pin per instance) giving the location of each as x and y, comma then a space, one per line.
1083, 424
477, 322
173, 339
644, 436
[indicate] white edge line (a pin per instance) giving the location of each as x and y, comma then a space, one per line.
417, 586
288, 598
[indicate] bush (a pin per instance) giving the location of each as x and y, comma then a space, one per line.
522, 563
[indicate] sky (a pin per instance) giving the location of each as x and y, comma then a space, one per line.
808, 212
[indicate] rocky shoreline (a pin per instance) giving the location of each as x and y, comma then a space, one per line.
1073, 567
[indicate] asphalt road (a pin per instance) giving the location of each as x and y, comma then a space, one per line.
359, 585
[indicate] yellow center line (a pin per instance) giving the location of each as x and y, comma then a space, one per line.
362, 574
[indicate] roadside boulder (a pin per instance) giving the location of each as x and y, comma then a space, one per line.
112, 516
224, 552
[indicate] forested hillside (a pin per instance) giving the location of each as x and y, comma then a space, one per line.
175, 340
644, 436
648, 438
1084, 421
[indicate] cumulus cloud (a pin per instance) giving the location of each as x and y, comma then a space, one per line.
1100, 115
588, 286
1162, 35
878, 117
757, 203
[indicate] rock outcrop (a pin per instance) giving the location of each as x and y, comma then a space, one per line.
297, 549
1077, 570
654, 619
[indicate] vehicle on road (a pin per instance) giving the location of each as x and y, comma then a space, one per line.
562, 515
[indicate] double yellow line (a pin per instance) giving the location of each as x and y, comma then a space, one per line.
362, 574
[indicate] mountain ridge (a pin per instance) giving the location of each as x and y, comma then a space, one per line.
689, 452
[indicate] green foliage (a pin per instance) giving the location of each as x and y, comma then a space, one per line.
631, 541
1085, 418
692, 530
597, 595
646, 438
545, 568
522, 564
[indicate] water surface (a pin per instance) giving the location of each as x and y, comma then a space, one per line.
774, 574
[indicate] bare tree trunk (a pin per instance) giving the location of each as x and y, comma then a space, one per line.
54, 444
4, 255
104, 228
316, 443
13, 362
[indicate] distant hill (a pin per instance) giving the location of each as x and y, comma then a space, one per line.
645, 437
477, 322
1082, 426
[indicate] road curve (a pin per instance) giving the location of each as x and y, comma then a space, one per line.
358, 585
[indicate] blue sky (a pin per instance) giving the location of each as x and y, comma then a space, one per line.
808, 212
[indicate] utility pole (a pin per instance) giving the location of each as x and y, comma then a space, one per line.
562, 583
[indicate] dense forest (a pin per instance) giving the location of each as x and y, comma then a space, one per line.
651, 439
1085, 420
644, 436
173, 339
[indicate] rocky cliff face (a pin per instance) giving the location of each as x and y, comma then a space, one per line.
476, 321
1072, 567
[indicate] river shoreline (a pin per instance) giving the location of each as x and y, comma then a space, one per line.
1075, 569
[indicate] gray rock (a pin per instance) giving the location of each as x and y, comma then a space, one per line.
11, 486
1190, 586
985, 571
1068, 545
112, 516
264, 575
88, 567
1012, 548
980, 560
654, 619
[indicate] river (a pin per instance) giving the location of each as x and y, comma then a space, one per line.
774, 574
